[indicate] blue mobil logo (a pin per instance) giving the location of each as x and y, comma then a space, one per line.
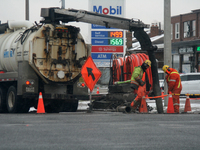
108, 11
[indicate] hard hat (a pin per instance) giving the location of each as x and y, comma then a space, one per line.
148, 62
165, 67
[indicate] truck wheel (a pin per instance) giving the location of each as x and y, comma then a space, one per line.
12, 101
3, 108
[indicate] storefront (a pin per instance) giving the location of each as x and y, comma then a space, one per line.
186, 56
187, 60
198, 58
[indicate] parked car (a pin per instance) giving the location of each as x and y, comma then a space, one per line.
190, 83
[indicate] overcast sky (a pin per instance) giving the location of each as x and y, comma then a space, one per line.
149, 11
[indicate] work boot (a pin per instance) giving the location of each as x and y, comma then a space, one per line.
135, 104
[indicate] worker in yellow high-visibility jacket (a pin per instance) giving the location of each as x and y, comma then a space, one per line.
139, 82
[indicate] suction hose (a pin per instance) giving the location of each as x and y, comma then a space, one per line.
124, 109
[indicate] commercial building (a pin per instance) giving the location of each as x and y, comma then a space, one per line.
185, 37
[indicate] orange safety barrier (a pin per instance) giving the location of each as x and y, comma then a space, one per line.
156, 96
128, 67
128, 63
117, 63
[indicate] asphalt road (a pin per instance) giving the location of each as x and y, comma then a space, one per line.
99, 130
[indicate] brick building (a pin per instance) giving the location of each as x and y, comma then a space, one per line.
157, 37
185, 37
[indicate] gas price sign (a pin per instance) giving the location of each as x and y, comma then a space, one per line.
117, 42
107, 41
116, 34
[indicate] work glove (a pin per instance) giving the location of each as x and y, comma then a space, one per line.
142, 83
115, 82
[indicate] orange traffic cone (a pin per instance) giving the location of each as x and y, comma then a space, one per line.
40, 107
143, 106
170, 108
97, 90
187, 104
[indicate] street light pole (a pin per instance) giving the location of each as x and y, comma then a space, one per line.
167, 40
63, 4
27, 10
63, 7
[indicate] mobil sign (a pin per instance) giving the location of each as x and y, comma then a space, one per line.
108, 11
107, 7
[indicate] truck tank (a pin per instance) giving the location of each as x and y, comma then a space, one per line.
43, 58
55, 52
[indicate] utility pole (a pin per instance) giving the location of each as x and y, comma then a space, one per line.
167, 40
63, 7
27, 9
62, 4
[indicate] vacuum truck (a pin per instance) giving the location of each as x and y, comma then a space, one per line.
48, 58
41, 58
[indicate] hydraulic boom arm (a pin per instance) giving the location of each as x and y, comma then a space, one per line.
54, 15
67, 15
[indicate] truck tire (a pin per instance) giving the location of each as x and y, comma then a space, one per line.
3, 107
12, 101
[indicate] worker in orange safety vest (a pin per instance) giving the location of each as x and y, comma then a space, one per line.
174, 85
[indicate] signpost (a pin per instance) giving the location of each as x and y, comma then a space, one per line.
91, 75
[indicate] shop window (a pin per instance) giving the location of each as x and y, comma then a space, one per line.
177, 28
189, 28
194, 27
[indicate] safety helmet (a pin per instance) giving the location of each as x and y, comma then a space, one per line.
147, 62
165, 67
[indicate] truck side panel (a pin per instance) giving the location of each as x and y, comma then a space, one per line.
27, 84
